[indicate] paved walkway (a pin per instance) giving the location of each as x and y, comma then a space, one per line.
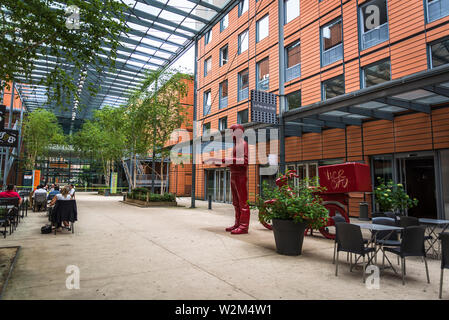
127, 252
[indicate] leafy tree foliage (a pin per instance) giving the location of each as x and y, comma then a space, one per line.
40, 131
34, 28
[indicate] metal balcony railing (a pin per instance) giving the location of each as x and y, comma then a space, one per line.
293, 72
332, 55
243, 94
264, 84
223, 102
375, 36
437, 9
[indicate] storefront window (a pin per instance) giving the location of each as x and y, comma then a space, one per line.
383, 168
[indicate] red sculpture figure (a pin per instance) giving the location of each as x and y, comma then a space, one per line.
239, 170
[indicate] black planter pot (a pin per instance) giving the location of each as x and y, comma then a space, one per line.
288, 236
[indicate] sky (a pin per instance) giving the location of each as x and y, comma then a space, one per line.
185, 62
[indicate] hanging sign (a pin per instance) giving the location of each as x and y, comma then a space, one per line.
9, 138
263, 107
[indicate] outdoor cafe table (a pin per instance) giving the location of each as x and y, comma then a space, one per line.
431, 225
375, 228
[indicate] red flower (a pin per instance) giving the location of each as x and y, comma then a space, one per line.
281, 181
271, 201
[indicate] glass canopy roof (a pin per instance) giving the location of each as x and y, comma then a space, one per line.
160, 32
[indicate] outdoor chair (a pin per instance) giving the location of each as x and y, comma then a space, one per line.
64, 210
377, 215
393, 216
412, 245
444, 237
406, 222
40, 201
337, 219
350, 240
25, 202
386, 238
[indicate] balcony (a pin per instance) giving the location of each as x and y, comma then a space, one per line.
264, 84
223, 102
375, 36
243, 94
293, 72
437, 9
332, 55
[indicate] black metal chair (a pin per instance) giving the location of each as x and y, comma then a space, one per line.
9, 214
444, 237
350, 240
412, 245
337, 219
25, 202
407, 221
386, 238
64, 210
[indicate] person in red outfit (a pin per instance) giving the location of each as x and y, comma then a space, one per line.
11, 193
239, 178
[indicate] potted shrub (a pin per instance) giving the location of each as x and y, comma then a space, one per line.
291, 209
391, 197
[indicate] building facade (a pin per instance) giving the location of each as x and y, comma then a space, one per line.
316, 55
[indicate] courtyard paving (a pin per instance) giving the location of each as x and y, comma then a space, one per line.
127, 252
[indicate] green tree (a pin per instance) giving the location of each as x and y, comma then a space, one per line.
34, 28
40, 131
103, 139
154, 111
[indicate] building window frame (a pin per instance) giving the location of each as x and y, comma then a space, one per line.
221, 121
258, 29
375, 36
208, 37
222, 24
207, 107
430, 53
285, 11
223, 101
263, 84
242, 93
323, 89
243, 7
239, 116
334, 53
363, 71
246, 39
293, 72
437, 12
206, 62
224, 61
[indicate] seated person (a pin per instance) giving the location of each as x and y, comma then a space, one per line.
40, 189
64, 195
54, 192
11, 193
72, 191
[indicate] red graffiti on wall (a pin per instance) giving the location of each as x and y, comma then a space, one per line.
338, 179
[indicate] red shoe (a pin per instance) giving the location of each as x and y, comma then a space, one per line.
244, 222
237, 221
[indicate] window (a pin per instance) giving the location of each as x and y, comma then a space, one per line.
242, 116
208, 37
293, 61
263, 75
224, 23
243, 7
223, 123
206, 128
262, 28
376, 73
439, 53
331, 43
207, 103
437, 9
243, 41
373, 23
207, 65
294, 100
224, 55
224, 94
291, 10
333, 87
243, 85
304, 171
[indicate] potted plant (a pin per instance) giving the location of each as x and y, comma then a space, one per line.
391, 197
291, 209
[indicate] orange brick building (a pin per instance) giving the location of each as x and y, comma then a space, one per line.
356, 80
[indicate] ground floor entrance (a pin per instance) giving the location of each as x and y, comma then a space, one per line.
422, 174
218, 185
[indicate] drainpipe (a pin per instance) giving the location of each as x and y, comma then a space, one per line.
282, 103
195, 100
